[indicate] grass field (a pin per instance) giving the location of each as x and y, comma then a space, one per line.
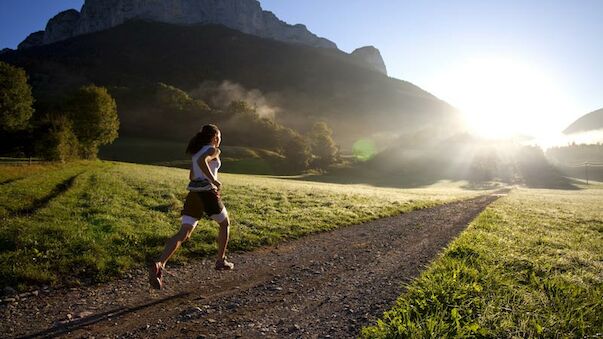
91, 221
531, 265
171, 153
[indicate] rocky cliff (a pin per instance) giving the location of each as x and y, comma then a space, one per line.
32, 40
371, 58
244, 15
62, 26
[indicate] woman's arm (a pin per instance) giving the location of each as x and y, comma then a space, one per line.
203, 162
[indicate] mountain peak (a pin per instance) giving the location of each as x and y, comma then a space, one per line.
246, 16
61, 26
32, 40
371, 57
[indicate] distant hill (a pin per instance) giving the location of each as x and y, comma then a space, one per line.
305, 83
589, 122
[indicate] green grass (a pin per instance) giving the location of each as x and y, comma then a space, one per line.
91, 221
531, 265
12, 172
25, 188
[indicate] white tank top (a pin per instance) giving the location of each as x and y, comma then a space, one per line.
214, 165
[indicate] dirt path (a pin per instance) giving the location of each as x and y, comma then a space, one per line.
325, 285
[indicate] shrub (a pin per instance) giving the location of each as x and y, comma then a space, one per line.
58, 142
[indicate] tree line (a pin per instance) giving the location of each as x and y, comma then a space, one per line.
77, 124
162, 111
74, 129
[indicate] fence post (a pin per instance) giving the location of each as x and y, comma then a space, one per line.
586, 171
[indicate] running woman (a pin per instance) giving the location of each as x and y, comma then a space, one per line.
203, 199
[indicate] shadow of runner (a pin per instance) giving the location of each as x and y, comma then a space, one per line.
93, 319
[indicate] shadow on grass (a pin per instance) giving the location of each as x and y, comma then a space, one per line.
44, 201
482, 186
6, 182
415, 178
63, 328
360, 176
546, 176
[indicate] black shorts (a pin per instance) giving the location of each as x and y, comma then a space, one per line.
204, 203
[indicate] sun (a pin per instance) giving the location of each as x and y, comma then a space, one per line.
503, 97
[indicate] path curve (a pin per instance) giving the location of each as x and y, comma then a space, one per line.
323, 285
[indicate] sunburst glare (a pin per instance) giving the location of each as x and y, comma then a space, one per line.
503, 97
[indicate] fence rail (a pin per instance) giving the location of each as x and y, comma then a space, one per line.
584, 164
588, 166
11, 161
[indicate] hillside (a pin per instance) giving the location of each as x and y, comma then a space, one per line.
589, 122
302, 83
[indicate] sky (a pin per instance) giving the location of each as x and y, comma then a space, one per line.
534, 63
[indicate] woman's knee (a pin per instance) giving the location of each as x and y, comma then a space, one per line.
185, 232
221, 218
225, 223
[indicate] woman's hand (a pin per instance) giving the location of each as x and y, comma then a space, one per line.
218, 184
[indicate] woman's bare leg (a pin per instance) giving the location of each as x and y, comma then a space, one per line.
172, 245
223, 238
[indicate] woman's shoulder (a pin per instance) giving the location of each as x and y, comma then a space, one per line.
209, 150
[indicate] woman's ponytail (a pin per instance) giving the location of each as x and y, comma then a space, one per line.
202, 138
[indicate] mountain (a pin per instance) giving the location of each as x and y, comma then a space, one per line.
371, 57
243, 15
303, 83
32, 40
589, 122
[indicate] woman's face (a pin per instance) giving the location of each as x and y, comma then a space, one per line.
217, 139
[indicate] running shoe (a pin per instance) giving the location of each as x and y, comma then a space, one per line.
223, 265
156, 275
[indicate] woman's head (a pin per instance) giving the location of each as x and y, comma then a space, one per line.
208, 135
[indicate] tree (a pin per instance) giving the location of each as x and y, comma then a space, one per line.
58, 142
323, 147
15, 98
483, 167
173, 99
240, 107
245, 127
297, 152
95, 121
171, 112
